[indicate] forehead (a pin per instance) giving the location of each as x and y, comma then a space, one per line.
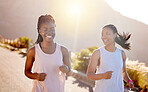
107, 30
47, 25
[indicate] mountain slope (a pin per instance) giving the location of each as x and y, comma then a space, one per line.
20, 19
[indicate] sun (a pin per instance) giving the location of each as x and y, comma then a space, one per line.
74, 10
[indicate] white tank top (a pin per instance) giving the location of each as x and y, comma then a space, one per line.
110, 61
49, 64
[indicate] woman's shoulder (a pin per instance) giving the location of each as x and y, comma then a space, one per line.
122, 51
96, 52
102, 47
99, 49
63, 48
31, 51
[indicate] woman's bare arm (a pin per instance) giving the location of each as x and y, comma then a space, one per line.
66, 59
29, 64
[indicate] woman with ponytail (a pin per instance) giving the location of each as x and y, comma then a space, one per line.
110, 62
50, 61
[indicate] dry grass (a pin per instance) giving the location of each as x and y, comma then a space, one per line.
136, 65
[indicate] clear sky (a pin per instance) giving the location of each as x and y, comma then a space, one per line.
135, 9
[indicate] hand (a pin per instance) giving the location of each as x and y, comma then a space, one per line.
64, 69
131, 85
107, 75
41, 76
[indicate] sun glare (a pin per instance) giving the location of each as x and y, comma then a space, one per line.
74, 10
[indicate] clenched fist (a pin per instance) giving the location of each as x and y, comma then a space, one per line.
108, 74
41, 76
64, 68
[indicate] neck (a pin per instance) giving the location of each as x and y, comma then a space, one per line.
110, 47
47, 44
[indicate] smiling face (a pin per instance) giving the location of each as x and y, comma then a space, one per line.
47, 31
108, 37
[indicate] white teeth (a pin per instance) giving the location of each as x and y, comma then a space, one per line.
49, 36
105, 40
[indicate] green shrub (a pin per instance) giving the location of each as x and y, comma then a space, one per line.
143, 80
24, 42
139, 78
91, 49
81, 60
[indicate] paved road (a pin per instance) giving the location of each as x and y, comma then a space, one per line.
12, 78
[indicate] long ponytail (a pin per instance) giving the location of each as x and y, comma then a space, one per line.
121, 39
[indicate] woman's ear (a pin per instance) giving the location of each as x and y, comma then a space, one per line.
115, 35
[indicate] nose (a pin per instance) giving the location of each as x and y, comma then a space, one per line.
49, 32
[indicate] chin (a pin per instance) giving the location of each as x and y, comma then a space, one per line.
50, 41
106, 44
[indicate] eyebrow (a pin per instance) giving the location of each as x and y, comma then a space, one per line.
46, 27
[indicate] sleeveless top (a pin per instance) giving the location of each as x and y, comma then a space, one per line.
49, 64
110, 61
